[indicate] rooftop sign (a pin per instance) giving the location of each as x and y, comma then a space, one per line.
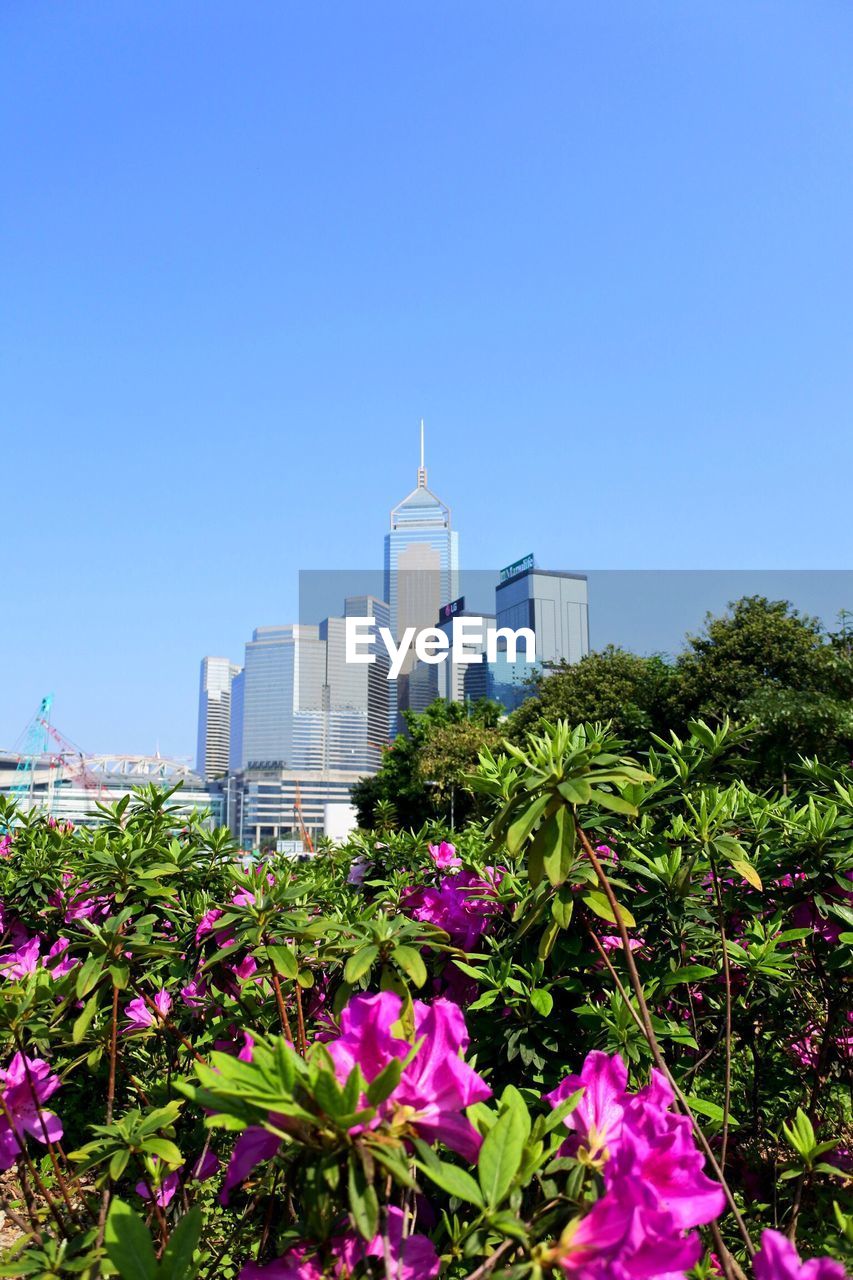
448, 610
524, 565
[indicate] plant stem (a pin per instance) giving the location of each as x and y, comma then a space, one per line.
651, 1038
300, 1020
727, 1096
282, 1011
111, 1093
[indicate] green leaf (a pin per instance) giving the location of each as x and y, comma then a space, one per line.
284, 961
360, 963
598, 903
558, 845
546, 942
562, 906
128, 1243
329, 1095
83, 1021
618, 804
542, 1001
394, 1163
411, 962
576, 791
522, 827
455, 1181
177, 1260
364, 1205
120, 975
90, 972
689, 973
383, 1085
500, 1156
559, 1114
748, 872
165, 1150
509, 1225
711, 1110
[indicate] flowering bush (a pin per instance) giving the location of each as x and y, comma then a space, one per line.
605, 1035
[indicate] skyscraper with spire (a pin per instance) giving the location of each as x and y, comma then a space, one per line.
421, 574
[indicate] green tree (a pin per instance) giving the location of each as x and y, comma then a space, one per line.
766, 662
636, 694
421, 772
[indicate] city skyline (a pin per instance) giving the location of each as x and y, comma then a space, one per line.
244, 253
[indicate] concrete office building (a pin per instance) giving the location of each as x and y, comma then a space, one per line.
214, 716
264, 803
462, 681
555, 606
312, 725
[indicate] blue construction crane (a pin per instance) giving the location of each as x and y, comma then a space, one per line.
34, 746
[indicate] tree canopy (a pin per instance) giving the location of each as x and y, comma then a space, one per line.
761, 663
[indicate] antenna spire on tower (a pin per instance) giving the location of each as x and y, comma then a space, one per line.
422, 475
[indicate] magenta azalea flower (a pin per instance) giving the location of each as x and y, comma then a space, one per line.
434, 1089
613, 942
165, 1193
655, 1185
57, 961
410, 1257
194, 993
436, 1086
203, 1168
245, 969
142, 1016
657, 1149
358, 870
206, 923
24, 1085
597, 1119
23, 960
254, 1145
83, 908
777, 1259
444, 855
462, 905
625, 1238
293, 1265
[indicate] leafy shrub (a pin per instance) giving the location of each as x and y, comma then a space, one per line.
602, 1031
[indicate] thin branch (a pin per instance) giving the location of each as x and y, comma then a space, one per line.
649, 1032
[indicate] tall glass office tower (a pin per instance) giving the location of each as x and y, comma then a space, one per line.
421, 574
285, 673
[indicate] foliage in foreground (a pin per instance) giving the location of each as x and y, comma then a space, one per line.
603, 1033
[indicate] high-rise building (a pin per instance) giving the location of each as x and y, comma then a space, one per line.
214, 716
235, 749
372, 682
284, 675
462, 681
312, 725
421, 573
304, 706
555, 606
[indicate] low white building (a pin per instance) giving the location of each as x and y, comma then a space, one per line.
70, 789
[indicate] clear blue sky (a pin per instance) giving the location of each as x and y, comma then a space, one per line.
604, 248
